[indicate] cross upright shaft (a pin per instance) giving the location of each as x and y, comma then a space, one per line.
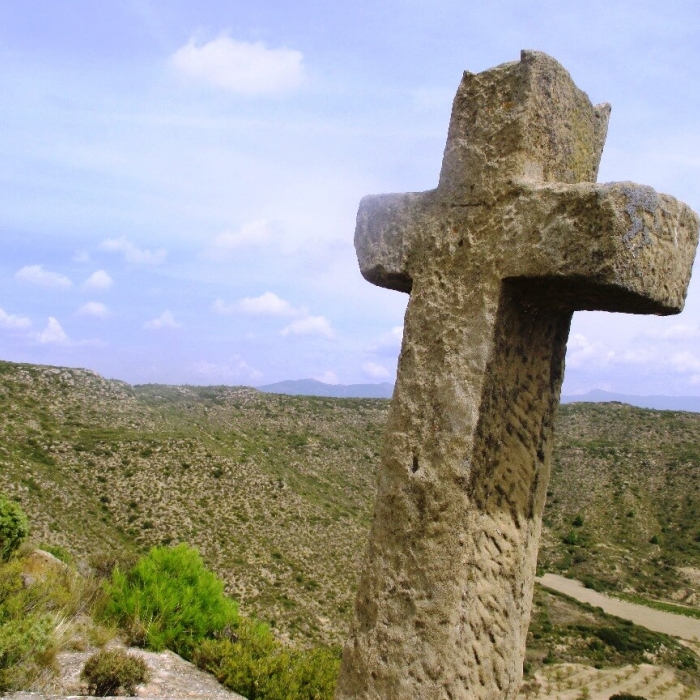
515, 238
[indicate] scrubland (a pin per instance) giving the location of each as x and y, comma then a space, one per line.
276, 493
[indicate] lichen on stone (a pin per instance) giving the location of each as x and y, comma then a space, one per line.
640, 199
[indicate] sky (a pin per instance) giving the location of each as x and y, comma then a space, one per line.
179, 181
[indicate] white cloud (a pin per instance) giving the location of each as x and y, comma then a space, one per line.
165, 320
237, 370
678, 332
240, 66
327, 377
376, 371
268, 304
253, 233
580, 351
685, 361
35, 274
389, 343
94, 308
132, 253
666, 356
53, 333
13, 322
98, 281
224, 309
81, 256
646, 355
311, 325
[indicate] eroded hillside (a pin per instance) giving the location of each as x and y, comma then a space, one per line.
276, 491
623, 508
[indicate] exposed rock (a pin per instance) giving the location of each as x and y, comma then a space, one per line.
172, 678
685, 595
38, 564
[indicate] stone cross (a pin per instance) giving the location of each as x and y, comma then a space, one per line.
516, 237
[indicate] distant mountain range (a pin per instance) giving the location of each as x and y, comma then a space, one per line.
660, 403
312, 387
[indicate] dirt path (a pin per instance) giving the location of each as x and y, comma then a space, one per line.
656, 620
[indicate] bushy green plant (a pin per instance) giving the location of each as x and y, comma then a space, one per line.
312, 675
26, 629
571, 538
169, 599
253, 663
110, 670
14, 527
26, 649
42, 608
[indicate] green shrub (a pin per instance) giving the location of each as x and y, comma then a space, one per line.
623, 639
253, 663
312, 675
26, 648
14, 527
26, 629
169, 600
571, 538
626, 696
592, 583
110, 670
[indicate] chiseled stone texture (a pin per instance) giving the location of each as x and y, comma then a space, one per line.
515, 238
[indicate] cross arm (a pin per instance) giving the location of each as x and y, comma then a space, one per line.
615, 247
386, 227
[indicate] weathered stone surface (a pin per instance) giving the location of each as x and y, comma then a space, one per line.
515, 238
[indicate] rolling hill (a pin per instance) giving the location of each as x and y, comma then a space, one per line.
384, 390
277, 491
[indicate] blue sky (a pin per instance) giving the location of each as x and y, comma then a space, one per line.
179, 180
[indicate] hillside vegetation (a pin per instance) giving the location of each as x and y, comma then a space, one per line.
276, 491
623, 507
